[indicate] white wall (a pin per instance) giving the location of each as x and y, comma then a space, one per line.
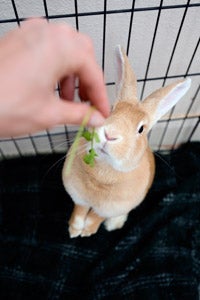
117, 29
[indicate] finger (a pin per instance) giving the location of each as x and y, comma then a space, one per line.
92, 87
67, 53
77, 57
67, 88
65, 112
82, 92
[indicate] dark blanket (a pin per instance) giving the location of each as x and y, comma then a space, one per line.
156, 255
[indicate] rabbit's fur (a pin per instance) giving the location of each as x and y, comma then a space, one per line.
124, 168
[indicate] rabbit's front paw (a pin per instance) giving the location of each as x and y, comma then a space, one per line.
115, 222
84, 225
91, 227
74, 232
76, 226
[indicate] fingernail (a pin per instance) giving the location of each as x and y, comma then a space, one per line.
96, 119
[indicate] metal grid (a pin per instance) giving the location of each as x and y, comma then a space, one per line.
181, 124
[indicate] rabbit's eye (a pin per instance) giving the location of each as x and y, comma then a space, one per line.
141, 129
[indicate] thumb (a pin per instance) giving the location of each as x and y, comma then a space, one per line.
67, 112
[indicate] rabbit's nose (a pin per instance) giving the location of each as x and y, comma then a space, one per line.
110, 137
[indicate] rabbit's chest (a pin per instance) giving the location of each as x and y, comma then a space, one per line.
108, 200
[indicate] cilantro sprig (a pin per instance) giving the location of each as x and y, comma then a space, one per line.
92, 136
89, 158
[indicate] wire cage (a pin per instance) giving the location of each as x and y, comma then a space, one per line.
161, 38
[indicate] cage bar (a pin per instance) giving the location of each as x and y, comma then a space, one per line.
133, 11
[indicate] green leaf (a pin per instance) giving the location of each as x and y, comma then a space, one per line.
92, 152
76, 140
87, 135
89, 158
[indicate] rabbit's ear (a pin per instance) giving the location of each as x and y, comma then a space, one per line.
162, 100
126, 84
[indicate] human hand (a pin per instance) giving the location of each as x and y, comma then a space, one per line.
33, 59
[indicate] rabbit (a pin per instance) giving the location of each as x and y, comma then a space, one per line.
124, 168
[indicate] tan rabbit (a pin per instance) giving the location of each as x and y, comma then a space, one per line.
124, 168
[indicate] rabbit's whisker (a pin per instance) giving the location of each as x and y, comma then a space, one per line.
54, 165
65, 143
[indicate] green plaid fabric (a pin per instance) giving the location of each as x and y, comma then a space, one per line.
156, 255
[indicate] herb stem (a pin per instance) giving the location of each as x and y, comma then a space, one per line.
92, 141
76, 140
